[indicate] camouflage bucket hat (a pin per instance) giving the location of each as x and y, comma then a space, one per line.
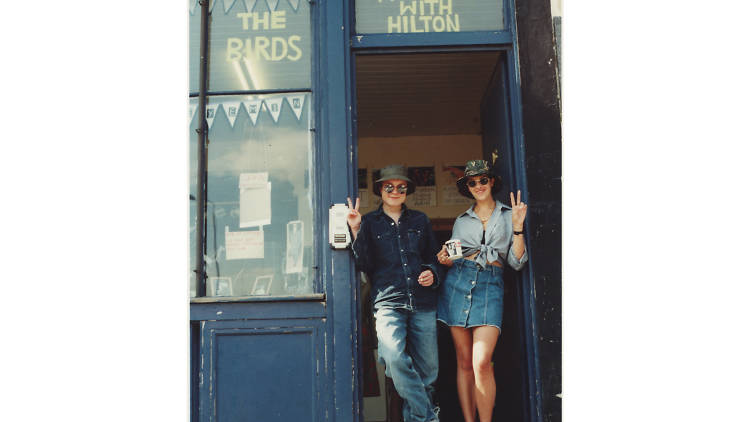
393, 171
476, 168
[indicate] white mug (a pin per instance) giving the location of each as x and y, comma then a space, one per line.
454, 248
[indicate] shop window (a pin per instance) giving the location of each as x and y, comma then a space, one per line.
421, 16
254, 45
259, 210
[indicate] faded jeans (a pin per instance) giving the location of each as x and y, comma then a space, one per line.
407, 344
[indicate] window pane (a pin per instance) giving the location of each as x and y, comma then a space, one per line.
259, 214
413, 16
257, 47
194, 48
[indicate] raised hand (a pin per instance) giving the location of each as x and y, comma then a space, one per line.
518, 212
354, 218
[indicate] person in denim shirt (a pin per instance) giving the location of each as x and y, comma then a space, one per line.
396, 248
471, 298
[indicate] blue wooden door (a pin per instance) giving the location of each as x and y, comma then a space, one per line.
273, 318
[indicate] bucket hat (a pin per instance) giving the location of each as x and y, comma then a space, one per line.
393, 171
476, 168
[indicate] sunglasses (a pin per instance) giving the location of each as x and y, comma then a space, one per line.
483, 180
388, 188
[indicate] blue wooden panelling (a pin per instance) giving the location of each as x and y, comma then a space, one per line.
338, 179
256, 310
262, 370
527, 286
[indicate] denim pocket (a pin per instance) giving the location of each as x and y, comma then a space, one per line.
384, 243
415, 236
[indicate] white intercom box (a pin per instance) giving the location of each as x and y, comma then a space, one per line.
338, 230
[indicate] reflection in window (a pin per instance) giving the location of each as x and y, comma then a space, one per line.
254, 45
259, 209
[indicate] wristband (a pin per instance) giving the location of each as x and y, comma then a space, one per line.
518, 233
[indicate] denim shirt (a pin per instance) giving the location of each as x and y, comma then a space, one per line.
498, 241
393, 255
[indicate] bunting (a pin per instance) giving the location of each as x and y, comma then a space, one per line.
294, 4
211, 113
228, 5
250, 4
232, 110
272, 4
274, 107
296, 102
273, 104
191, 111
253, 108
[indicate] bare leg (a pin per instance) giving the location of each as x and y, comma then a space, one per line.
485, 338
462, 340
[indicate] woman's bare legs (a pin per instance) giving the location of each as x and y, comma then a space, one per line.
485, 338
463, 341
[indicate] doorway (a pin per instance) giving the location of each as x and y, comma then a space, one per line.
432, 112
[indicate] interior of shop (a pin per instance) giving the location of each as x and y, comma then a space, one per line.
421, 110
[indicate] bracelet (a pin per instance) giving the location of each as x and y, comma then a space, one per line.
518, 233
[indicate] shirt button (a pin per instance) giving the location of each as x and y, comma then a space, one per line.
404, 264
468, 297
402, 250
473, 282
466, 312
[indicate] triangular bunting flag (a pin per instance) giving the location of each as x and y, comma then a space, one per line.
272, 4
232, 110
296, 102
191, 111
211, 113
228, 5
294, 4
274, 106
192, 4
249, 4
253, 108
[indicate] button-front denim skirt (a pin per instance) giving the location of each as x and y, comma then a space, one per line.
471, 296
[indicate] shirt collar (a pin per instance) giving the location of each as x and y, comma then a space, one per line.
470, 212
404, 211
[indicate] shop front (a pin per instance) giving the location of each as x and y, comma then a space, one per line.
294, 105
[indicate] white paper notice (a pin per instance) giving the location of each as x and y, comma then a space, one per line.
423, 196
294, 246
243, 245
364, 198
255, 200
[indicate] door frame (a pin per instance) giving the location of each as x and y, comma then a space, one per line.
506, 41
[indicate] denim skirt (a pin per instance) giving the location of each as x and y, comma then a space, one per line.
471, 296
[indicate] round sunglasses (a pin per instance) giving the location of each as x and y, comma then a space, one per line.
388, 188
473, 183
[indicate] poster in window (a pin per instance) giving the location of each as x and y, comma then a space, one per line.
255, 199
425, 194
262, 285
294, 246
220, 286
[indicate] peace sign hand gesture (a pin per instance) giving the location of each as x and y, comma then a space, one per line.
518, 212
353, 218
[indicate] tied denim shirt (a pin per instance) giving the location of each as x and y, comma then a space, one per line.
498, 238
393, 255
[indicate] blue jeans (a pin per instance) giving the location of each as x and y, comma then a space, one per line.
407, 345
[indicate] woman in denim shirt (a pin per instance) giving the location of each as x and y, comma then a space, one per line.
470, 301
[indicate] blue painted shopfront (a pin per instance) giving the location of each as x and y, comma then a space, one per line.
275, 312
